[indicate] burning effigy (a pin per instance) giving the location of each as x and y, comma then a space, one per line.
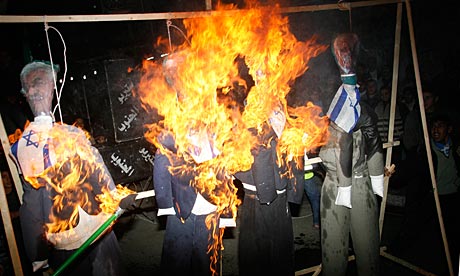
68, 191
213, 118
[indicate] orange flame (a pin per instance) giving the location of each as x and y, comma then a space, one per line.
77, 178
184, 91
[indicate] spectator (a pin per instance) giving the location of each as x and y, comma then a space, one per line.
371, 96
383, 113
413, 138
446, 161
314, 174
313, 181
419, 206
408, 97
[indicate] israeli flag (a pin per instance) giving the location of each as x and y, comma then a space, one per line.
345, 110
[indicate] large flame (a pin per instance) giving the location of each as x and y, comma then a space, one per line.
198, 92
78, 177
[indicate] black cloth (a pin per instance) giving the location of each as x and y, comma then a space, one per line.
185, 246
13, 117
173, 190
268, 177
266, 239
101, 258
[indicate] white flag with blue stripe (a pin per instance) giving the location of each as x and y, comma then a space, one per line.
345, 110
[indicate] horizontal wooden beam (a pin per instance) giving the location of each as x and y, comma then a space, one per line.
177, 15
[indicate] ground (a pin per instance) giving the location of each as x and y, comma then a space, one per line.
141, 236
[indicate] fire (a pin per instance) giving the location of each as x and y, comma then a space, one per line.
198, 92
77, 180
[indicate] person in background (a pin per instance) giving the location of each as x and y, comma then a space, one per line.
446, 161
371, 97
45, 161
382, 111
313, 181
413, 138
408, 97
354, 165
314, 174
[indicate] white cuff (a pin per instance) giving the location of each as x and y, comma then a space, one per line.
167, 211
377, 184
343, 196
227, 222
39, 264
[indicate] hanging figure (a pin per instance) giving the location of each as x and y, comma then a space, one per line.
63, 175
266, 238
195, 221
354, 173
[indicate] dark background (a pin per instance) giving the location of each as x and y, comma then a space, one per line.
110, 48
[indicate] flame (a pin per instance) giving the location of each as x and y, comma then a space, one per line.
77, 178
198, 91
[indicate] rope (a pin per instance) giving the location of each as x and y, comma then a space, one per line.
58, 93
344, 6
169, 25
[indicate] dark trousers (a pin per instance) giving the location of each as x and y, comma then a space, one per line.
266, 239
450, 208
312, 188
100, 259
186, 245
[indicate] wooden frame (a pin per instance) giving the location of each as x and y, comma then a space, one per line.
209, 12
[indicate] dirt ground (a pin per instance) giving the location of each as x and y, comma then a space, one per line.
141, 236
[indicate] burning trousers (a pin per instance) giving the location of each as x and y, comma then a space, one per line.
186, 244
266, 239
338, 222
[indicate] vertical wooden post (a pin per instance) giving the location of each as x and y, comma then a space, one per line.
208, 5
5, 211
425, 134
11, 164
9, 232
394, 87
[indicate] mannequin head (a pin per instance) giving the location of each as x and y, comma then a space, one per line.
37, 86
345, 48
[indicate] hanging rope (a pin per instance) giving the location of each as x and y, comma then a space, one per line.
169, 25
58, 93
344, 6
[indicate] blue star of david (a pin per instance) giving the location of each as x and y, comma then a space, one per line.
29, 141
